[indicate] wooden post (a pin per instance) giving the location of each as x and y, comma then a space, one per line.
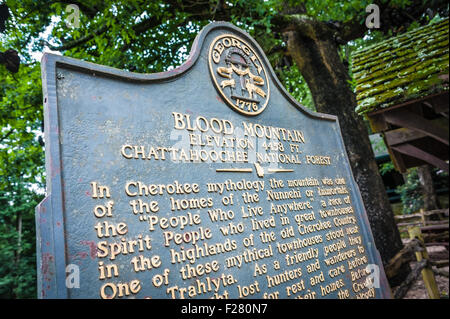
422, 215
427, 272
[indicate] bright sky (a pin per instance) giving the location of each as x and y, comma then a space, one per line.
45, 35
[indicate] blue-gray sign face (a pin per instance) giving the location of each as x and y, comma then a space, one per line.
208, 181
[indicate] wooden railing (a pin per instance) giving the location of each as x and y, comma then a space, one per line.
435, 231
423, 230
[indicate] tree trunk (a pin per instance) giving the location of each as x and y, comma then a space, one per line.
430, 201
19, 238
312, 46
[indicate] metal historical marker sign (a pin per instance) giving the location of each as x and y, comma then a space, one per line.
207, 181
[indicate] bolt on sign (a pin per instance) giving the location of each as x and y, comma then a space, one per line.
206, 181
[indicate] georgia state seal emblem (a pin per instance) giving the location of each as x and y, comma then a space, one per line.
239, 74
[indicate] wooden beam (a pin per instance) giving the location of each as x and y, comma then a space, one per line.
438, 106
444, 211
415, 122
440, 263
416, 152
397, 159
402, 135
377, 123
434, 227
408, 103
440, 103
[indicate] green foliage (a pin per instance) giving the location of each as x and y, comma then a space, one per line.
411, 192
296, 85
21, 171
17, 242
336, 10
21, 164
386, 168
